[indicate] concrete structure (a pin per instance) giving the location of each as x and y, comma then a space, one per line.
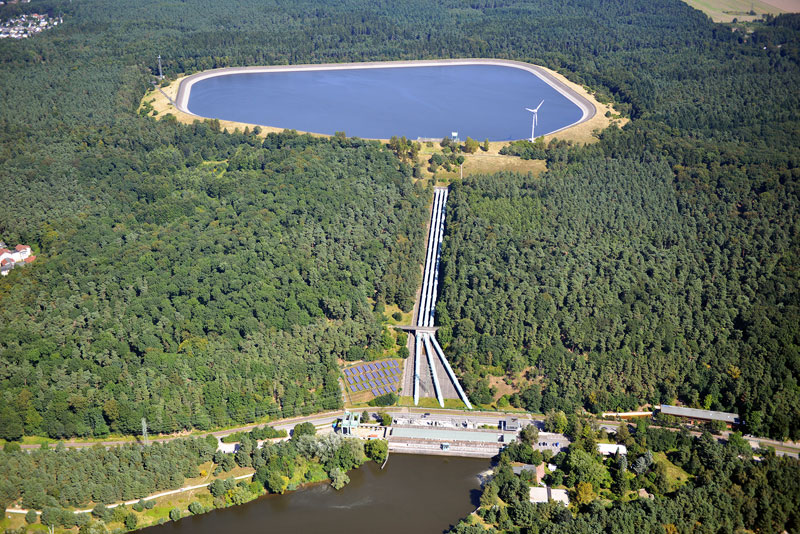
541, 494
512, 424
450, 441
607, 449
349, 422
588, 110
729, 419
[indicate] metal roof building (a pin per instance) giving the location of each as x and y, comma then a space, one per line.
611, 448
706, 415
450, 435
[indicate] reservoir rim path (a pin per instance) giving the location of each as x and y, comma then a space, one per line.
588, 109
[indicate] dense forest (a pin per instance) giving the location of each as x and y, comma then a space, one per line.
198, 277
207, 294
667, 482
71, 478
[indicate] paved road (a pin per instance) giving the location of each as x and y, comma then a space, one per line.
489, 418
782, 448
287, 424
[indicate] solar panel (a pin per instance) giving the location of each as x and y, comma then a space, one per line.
384, 364
350, 379
393, 388
383, 391
395, 379
380, 373
352, 388
347, 372
372, 384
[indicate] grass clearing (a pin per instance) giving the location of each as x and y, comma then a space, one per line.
676, 476
430, 402
727, 10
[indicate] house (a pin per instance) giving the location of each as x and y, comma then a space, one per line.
9, 259
607, 449
537, 470
730, 419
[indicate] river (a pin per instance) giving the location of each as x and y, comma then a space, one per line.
413, 494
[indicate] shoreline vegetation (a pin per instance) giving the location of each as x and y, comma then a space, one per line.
145, 478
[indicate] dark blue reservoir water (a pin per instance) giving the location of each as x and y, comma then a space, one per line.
478, 101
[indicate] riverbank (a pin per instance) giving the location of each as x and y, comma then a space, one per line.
230, 479
412, 494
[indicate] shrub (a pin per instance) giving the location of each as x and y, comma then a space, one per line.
31, 517
174, 514
384, 400
304, 429
101, 512
131, 521
196, 508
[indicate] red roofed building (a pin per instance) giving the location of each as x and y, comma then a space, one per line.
8, 259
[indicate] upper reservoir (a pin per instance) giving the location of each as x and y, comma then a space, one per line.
376, 101
412, 494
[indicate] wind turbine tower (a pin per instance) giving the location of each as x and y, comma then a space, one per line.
160, 74
534, 119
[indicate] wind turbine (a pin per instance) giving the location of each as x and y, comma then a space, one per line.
535, 118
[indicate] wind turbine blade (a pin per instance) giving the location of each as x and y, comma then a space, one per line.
531, 110
540, 105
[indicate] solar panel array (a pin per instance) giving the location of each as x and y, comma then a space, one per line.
378, 377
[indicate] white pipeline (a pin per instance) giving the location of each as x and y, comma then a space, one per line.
450, 373
429, 352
